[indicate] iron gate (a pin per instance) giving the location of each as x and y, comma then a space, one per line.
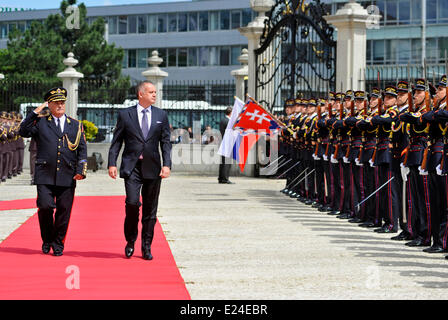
297, 54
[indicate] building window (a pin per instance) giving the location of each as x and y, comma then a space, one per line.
236, 19
125, 60
203, 56
443, 10
247, 17
234, 55
183, 22
193, 21
378, 51
132, 58
172, 57
431, 11
172, 22
214, 20
132, 24
182, 57
142, 24
162, 23
416, 11
192, 57
152, 23
122, 24
113, 25
404, 12
203, 21
224, 56
225, 20
142, 58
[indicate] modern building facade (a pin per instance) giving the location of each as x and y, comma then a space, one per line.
198, 40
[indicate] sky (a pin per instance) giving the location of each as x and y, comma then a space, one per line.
54, 4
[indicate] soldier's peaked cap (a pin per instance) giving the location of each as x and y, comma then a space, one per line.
56, 94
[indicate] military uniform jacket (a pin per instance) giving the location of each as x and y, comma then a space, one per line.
399, 138
343, 138
369, 132
384, 135
355, 137
441, 116
436, 133
417, 134
323, 136
331, 136
56, 164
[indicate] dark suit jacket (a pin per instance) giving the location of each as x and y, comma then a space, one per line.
128, 131
223, 125
56, 164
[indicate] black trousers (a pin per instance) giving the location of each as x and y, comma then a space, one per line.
320, 181
438, 207
149, 190
390, 198
367, 187
355, 188
417, 197
54, 224
224, 170
336, 174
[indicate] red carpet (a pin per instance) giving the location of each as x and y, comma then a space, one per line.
94, 249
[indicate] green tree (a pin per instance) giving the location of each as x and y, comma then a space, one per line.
37, 54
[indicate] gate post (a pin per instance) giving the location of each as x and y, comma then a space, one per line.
241, 74
253, 32
351, 24
156, 76
70, 79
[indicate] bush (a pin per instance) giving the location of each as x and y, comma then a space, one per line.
90, 130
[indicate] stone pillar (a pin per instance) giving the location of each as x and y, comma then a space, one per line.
253, 32
156, 75
351, 24
70, 78
241, 74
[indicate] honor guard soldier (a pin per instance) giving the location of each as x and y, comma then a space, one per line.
432, 159
3, 141
322, 168
418, 200
61, 161
400, 142
389, 194
370, 208
335, 167
354, 152
286, 139
310, 142
340, 156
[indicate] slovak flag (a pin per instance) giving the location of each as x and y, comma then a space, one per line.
255, 119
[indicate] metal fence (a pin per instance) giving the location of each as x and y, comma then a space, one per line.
390, 74
99, 101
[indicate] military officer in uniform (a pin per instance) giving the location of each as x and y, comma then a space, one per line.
61, 161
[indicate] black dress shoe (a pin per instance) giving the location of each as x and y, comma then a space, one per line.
434, 249
418, 243
146, 253
333, 213
46, 247
57, 252
402, 236
129, 249
226, 182
355, 220
343, 216
387, 230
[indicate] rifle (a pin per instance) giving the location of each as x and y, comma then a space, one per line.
341, 116
319, 117
427, 109
352, 114
380, 99
365, 115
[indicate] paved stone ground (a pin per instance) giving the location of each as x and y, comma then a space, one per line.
249, 241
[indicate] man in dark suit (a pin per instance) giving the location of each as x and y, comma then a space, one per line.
143, 128
61, 160
224, 168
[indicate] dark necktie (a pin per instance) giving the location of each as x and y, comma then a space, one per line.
59, 125
145, 127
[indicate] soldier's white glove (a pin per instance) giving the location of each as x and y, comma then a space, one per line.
371, 163
345, 159
325, 158
404, 172
358, 163
439, 170
422, 172
333, 160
